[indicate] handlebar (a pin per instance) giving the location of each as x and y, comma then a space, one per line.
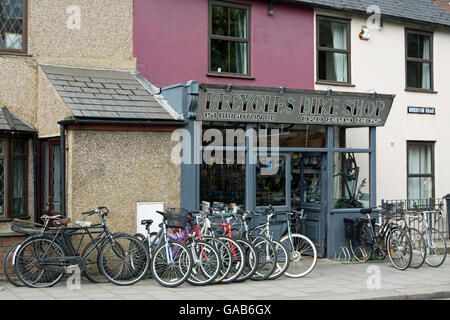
100, 210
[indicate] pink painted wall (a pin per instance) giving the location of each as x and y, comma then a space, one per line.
171, 44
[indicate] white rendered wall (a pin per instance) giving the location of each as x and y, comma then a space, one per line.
379, 65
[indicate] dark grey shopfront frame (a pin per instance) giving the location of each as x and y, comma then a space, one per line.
183, 97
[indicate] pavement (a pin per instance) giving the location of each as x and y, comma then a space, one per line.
330, 280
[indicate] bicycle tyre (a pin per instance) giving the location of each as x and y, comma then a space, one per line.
129, 254
419, 250
183, 260
238, 260
225, 257
432, 251
399, 248
251, 258
362, 249
282, 260
8, 266
206, 265
300, 247
267, 257
31, 274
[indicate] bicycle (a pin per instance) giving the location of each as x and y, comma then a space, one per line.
302, 251
206, 259
26, 228
171, 261
436, 250
238, 255
42, 260
266, 248
225, 253
250, 251
282, 255
417, 238
367, 240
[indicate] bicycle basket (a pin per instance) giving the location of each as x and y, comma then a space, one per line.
353, 227
177, 218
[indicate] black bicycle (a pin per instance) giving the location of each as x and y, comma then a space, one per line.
369, 240
42, 260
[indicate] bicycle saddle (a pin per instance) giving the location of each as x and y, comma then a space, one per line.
366, 211
147, 222
62, 222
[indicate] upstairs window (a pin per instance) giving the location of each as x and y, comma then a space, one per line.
13, 26
333, 49
229, 38
419, 60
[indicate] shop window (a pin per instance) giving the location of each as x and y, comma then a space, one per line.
230, 134
292, 136
351, 180
351, 137
223, 183
420, 171
229, 38
333, 49
13, 25
419, 60
13, 178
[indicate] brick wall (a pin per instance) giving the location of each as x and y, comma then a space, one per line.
443, 3
5, 243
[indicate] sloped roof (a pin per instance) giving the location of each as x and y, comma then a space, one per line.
108, 94
422, 11
9, 122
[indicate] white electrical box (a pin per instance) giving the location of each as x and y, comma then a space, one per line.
147, 210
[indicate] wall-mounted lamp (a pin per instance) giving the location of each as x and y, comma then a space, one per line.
270, 13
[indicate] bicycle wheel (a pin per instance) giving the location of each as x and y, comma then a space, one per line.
90, 255
282, 260
267, 257
206, 265
225, 254
238, 259
123, 260
8, 266
251, 258
436, 248
419, 250
399, 248
302, 253
362, 249
171, 264
30, 262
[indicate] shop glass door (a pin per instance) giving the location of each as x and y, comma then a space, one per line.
308, 193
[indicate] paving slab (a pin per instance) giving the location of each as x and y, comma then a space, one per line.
330, 280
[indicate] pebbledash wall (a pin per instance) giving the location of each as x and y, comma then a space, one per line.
378, 65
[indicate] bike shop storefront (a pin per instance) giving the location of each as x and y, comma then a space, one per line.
250, 147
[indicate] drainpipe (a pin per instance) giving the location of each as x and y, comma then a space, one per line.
63, 168
35, 175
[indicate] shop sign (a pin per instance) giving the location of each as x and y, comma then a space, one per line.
252, 104
421, 110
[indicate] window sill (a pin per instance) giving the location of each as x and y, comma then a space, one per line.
420, 90
332, 83
6, 219
21, 54
229, 75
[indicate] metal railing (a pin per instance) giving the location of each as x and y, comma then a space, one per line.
407, 209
